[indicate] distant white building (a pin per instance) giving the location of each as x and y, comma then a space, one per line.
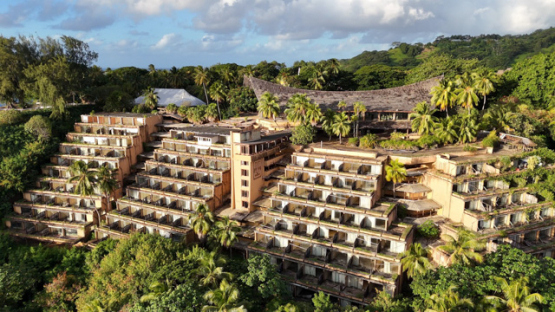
179, 97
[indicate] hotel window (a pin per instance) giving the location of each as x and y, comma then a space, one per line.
245, 204
402, 116
244, 194
244, 163
244, 183
244, 173
386, 116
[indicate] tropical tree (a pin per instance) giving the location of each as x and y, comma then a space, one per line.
317, 80
448, 301
468, 128
516, 296
396, 173
341, 125
499, 117
202, 78
444, 96
296, 107
201, 221
225, 232
359, 109
466, 97
415, 260
341, 105
462, 249
85, 180
327, 121
151, 98
422, 118
211, 269
313, 114
446, 130
484, 84
223, 299
218, 93
106, 183
268, 105
211, 112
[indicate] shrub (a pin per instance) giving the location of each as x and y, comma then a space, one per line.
397, 135
392, 144
353, 141
171, 108
469, 148
492, 140
182, 111
154, 112
428, 141
10, 117
141, 109
428, 230
302, 134
368, 141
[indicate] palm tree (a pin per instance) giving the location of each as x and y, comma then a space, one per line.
341, 105
268, 105
85, 180
217, 92
359, 109
516, 295
248, 71
296, 107
327, 122
156, 290
467, 97
422, 118
201, 221
448, 301
446, 130
313, 113
468, 128
226, 232
283, 79
415, 260
151, 98
395, 172
211, 112
211, 269
484, 84
443, 95
499, 117
223, 299
463, 249
106, 183
316, 80
334, 65
341, 125
202, 78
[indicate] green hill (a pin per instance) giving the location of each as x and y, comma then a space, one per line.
493, 51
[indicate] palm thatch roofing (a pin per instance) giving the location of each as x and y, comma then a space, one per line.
398, 99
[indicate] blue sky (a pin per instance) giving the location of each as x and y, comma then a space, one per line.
205, 32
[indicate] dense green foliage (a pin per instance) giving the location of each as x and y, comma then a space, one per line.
27, 145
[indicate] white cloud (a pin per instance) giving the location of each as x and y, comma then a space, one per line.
167, 41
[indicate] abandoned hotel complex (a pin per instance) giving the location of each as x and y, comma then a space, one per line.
324, 213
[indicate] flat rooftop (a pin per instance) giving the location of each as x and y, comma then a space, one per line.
116, 114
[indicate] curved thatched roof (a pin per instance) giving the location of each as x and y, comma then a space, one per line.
401, 99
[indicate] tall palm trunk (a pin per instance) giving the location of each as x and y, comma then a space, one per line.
219, 114
205, 94
484, 105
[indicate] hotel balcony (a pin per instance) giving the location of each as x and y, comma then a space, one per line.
155, 197
117, 130
181, 175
